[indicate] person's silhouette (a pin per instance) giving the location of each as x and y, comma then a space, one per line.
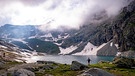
88, 61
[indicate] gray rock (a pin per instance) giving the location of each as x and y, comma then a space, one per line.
95, 72
78, 66
47, 67
128, 54
23, 72
123, 62
2, 63
108, 50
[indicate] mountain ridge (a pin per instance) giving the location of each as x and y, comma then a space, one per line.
119, 30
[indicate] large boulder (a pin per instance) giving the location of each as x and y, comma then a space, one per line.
78, 66
23, 72
123, 62
96, 72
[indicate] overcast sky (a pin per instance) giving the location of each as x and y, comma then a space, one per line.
54, 13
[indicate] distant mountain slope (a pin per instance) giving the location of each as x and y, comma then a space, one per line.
119, 29
43, 46
31, 38
10, 31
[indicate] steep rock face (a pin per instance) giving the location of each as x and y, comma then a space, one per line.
124, 28
79, 39
102, 34
120, 29
108, 50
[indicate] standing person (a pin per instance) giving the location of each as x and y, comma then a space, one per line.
88, 61
4, 54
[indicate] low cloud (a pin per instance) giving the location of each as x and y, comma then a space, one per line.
52, 14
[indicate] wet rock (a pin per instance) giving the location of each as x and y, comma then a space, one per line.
95, 72
78, 66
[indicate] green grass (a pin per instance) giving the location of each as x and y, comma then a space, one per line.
64, 70
114, 70
21, 45
60, 70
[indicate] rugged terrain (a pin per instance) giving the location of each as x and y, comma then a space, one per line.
87, 40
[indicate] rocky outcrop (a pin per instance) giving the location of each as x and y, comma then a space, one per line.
120, 28
23, 72
95, 72
129, 54
123, 62
109, 49
124, 28
78, 66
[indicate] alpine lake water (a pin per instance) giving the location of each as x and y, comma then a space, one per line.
67, 59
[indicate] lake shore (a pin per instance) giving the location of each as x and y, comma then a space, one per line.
67, 59
49, 68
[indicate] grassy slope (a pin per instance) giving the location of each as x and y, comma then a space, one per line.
43, 46
64, 70
115, 70
21, 45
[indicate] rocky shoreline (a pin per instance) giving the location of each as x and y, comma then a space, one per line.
49, 68
33, 69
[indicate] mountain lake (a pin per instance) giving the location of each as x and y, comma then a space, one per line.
67, 59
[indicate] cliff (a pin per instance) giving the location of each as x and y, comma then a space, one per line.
124, 28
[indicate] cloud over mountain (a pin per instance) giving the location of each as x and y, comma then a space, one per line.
52, 14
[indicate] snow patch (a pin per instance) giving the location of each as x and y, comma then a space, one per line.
67, 50
101, 46
1, 46
32, 37
63, 37
20, 40
118, 54
111, 44
47, 35
28, 56
89, 49
58, 43
116, 46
